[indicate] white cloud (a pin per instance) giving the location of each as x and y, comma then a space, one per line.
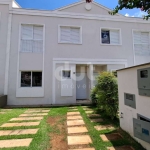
127, 15
140, 14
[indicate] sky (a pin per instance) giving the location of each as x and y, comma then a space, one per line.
54, 4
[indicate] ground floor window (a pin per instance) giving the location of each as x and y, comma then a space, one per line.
31, 79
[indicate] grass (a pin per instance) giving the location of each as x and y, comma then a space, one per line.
41, 140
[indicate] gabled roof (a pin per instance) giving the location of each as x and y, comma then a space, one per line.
82, 2
16, 4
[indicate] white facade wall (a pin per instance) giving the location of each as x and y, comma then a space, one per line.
4, 16
127, 81
89, 51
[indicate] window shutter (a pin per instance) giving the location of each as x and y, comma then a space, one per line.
38, 32
31, 38
37, 46
26, 45
64, 34
114, 37
141, 43
38, 39
145, 37
75, 35
137, 37
27, 32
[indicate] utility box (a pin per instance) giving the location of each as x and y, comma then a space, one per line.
144, 81
129, 100
134, 102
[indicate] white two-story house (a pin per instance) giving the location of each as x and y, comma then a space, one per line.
53, 57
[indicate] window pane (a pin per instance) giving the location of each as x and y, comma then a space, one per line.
66, 74
105, 37
27, 32
36, 79
26, 45
38, 46
25, 79
38, 32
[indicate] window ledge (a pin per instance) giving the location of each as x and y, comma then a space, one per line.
110, 44
69, 43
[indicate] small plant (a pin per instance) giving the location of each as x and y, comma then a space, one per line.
93, 96
106, 94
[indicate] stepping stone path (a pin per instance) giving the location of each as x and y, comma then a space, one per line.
104, 127
120, 148
26, 118
93, 115
15, 143
111, 137
97, 120
33, 114
105, 137
76, 126
30, 115
3, 111
89, 111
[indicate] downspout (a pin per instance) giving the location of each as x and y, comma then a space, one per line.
8, 54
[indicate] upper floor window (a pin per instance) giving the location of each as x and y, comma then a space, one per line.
31, 38
141, 43
110, 36
70, 35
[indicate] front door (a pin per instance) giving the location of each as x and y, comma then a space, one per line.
81, 86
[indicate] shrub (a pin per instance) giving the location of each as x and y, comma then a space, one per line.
93, 96
106, 94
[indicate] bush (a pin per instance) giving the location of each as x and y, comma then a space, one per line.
106, 94
93, 96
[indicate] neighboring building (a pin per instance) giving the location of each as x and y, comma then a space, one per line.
42, 53
134, 102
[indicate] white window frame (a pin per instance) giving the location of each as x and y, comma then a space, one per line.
136, 30
59, 34
107, 28
42, 25
31, 78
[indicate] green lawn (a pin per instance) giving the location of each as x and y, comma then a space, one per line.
41, 141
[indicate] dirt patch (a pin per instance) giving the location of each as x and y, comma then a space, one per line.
58, 136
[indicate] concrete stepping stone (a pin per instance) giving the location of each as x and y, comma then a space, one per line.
93, 115
15, 143
89, 112
26, 118
6, 109
97, 120
36, 111
120, 148
75, 123
20, 124
72, 130
88, 109
73, 110
2, 112
79, 140
111, 137
18, 132
73, 113
84, 149
104, 127
74, 117
31, 115
72, 107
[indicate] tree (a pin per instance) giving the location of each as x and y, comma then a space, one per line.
88, 1
144, 5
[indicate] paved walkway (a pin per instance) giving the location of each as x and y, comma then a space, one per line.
29, 118
78, 138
